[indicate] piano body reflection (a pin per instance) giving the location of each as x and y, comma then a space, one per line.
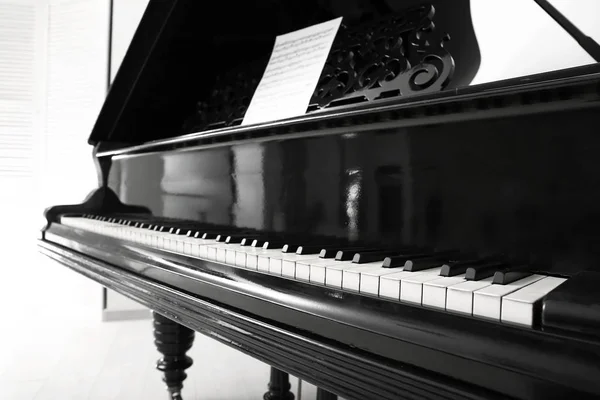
411, 236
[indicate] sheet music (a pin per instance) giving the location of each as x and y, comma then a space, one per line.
292, 74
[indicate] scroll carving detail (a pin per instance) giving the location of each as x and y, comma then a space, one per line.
397, 55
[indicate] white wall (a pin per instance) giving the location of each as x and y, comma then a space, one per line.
21, 103
77, 73
518, 38
126, 17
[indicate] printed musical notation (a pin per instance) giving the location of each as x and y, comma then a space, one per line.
292, 73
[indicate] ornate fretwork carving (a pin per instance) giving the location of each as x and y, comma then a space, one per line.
229, 99
397, 55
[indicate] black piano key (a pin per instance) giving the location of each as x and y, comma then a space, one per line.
223, 235
248, 241
310, 249
348, 254
258, 242
238, 238
458, 267
363, 257
304, 242
316, 248
281, 241
331, 252
482, 271
400, 260
231, 239
510, 274
422, 263
290, 248
274, 244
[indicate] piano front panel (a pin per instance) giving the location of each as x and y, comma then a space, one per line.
524, 186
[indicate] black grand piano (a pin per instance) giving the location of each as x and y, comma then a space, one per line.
411, 236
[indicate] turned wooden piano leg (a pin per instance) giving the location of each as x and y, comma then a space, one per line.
279, 386
172, 340
323, 394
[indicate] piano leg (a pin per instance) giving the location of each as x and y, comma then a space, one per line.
172, 340
323, 394
279, 386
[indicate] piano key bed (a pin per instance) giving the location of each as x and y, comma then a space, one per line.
348, 312
445, 281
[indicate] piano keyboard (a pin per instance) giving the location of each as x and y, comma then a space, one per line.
448, 281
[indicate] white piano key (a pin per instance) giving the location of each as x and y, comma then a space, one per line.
240, 258
263, 263
303, 270
518, 306
263, 258
203, 249
170, 243
487, 302
252, 258
230, 255
317, 274
317, 270
459, 298
187, 248
222, 253
195, 247
411, 287
434, 292
351, 277
212, 250
180, 245
334, 274
211, 253
275, 265
390, 284
369, 280
288, 267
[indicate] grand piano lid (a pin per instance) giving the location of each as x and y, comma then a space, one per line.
193, 66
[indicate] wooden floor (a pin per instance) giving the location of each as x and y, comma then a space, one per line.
54, 346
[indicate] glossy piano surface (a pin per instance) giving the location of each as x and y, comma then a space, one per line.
399, 350
527, 186
507, 169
